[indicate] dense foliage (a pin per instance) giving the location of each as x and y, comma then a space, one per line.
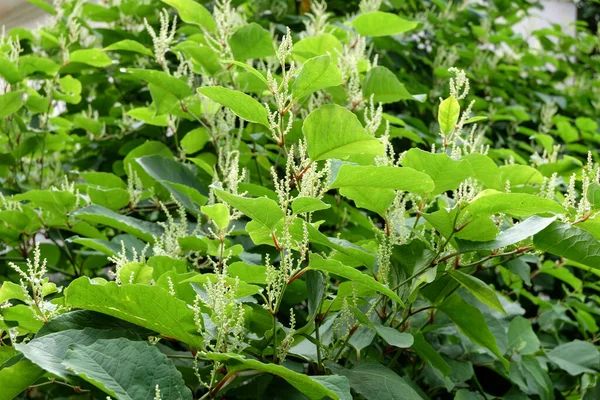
267, 199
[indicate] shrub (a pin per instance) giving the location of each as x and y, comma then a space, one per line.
260, 199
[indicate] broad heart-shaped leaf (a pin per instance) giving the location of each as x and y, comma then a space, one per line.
239, 103
262, 209
127, 369
576, 357
332, 131
521, 337
92, 57
14, 379
148, 306
374, 381
384, 86
470, 321
447, 174
48, 351
378, 23
129, 45
308, 204
168, 171
337, 268
513, 235
317, 73
193, 12
219, 213
101, 215
251, 41
314, 389
570, 242
479, 289
10, 103
448, 114
490, 202
175, 86
373, 187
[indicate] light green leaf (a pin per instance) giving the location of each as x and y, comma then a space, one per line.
448, 114
378, 23
374, 381
317, 73
148, 306
9, 291
240, 103
479, 289
337, 268
102, 215
303, 205
314, 389
262, 209
593, 194
384, 86
175, 86
252, 70
251, 41
194, 140
570, 242
44, 5
490, 202
447, 174
521, 336
193, 13
113, 198
127, 369
331, 131
219, 213
9, 71
10, 103
130, 45
576, 357
470, 321
148, 116
92, 57
16, 378
319, 45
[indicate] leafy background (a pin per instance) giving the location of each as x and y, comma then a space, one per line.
139, 261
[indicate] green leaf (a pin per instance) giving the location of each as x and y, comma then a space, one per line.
479, 289
30, 65
319, 45
10, 103
470, 321
384, 86
490, 202
168, 83
314, 389
303, 205
429, 354
148, 306
44, 6
337, 268
127, 369
331, 131
92, 57
251, 41
130, 45
193, 13
593, 195
102, 215
316, 73
16, 378
447, 174
378, 23
148, 116
238, 102
9, 71
194, 140
521, 336
252, 70
513, 235
262, 209
570, 242
113, 198
374, 381
576, 357
448, 114
10, 290
219, 213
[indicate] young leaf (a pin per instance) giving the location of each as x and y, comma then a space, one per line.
331, 131
317, 73
219, 213
384, 86
337, 268
251, 41
448, 114
479, 289
262, 210
240, 103
378, 23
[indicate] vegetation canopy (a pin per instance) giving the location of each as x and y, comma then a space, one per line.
266, 199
